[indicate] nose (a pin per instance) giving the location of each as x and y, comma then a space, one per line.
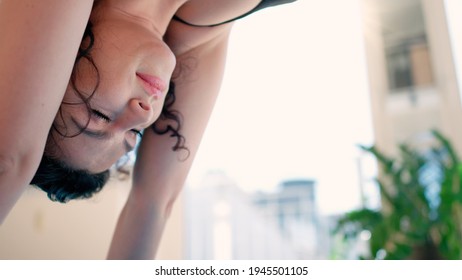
138, 114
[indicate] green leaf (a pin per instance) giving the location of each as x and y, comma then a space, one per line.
409, 220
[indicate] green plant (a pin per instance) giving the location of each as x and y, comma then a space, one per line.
422, 199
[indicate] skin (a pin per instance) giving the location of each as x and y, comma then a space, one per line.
132, 36
125, 46
34, 76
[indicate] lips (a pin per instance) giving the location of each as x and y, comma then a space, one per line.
153, 85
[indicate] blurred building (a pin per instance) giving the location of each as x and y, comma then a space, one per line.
222, 223
412, 76
293, 207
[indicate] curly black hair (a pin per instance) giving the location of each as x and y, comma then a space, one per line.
63, 183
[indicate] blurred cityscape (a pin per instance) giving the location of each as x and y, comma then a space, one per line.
224, 222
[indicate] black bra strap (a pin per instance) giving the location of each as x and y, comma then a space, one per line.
263, 4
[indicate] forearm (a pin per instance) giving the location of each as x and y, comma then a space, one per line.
138, 230
39, 42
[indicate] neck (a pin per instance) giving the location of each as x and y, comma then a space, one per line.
156, 14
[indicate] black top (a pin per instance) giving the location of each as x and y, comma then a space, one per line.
263, 4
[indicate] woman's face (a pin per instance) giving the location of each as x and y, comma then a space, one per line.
134, 66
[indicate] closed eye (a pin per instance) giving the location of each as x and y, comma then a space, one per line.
100, 115
105, 118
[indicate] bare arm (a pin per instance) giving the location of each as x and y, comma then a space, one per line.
39, 43
159, 172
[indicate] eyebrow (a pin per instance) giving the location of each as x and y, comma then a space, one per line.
101, 135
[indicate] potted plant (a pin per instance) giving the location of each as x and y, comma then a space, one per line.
421, 217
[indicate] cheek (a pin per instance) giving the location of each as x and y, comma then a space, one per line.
157, 113
81, 152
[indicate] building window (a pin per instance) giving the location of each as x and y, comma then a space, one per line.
404, 35
399, 68
409, 65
